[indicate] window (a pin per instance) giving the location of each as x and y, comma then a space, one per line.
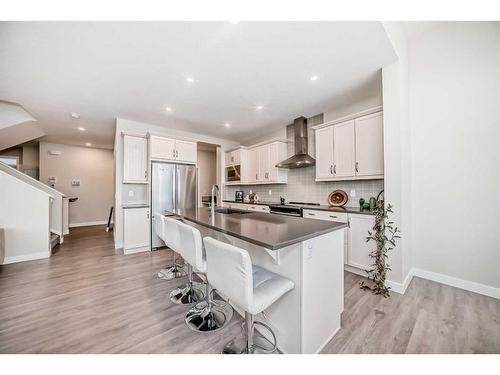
11, 161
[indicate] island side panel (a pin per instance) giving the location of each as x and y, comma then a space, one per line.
322, 289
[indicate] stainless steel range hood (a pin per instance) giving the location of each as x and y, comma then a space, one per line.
300, 159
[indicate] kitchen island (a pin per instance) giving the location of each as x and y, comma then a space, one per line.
309, 252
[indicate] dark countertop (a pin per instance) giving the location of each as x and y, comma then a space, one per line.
262, 229
345, 209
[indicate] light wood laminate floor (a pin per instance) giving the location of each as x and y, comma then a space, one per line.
88, 299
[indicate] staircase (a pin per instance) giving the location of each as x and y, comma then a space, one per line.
31, 214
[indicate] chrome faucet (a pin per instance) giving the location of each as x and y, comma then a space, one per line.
212, 202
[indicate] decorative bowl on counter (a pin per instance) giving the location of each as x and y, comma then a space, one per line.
337, 198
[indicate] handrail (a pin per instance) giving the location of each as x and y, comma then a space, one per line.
30, 180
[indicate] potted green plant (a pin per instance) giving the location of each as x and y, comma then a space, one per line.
384, 234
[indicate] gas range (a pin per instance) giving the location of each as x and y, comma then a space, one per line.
291, 208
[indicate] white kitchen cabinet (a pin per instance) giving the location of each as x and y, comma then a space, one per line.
370, 145
358, 254
258, 163
186, 151
324, 152
344, 157
135, 159
340, 217
173, 150
162, 148
136, 230
233, 157
252, 166
258, 208
350, 150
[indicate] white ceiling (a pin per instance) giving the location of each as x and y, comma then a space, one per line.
104, 70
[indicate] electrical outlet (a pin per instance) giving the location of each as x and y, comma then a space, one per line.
270, 192
130, 193
353, 193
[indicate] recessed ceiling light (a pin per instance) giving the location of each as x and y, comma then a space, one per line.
234, 22
168, 109
75, 115
88, 144
259, 108
314, 78
227, 125
190, 79
81, 128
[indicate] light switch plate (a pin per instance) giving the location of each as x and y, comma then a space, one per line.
353, 193
131, 193
76, 183
270, 192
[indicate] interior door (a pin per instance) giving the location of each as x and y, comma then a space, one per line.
185, 187
343, 149
370, 145
324, 152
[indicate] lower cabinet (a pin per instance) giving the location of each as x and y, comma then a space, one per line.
247, 207
135, 230
356, 249
358, 254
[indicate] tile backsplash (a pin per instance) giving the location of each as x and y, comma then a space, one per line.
302, 187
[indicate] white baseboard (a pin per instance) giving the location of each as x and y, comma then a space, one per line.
471, 286
399, 288
26, 257
136, 250
88, 224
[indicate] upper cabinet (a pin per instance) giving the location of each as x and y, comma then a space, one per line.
351, 150
370, 145
135, 159
258, 163
173, 150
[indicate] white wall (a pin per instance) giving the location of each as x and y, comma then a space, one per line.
454, 98
140, 128
93, 167
24, 216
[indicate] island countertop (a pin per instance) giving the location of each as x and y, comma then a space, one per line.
270, 231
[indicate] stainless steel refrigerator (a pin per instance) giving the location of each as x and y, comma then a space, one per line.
173, 186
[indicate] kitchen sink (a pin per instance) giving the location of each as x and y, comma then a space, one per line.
229, 211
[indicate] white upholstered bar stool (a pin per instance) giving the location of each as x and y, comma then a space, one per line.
171, 238
190, 292
208, 315
250, 287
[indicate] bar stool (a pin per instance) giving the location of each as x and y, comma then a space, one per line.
252, 288
172, 240
188, 293
208, 315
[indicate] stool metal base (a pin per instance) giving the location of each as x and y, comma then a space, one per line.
173, 272
206, 318
187, 294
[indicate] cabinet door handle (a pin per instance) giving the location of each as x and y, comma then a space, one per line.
267, 175
333, 217
335, 169
331, 169
256, 176
356, 167
311, 214
147, 214
145, 174
232, 159
173, 153
176, 153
